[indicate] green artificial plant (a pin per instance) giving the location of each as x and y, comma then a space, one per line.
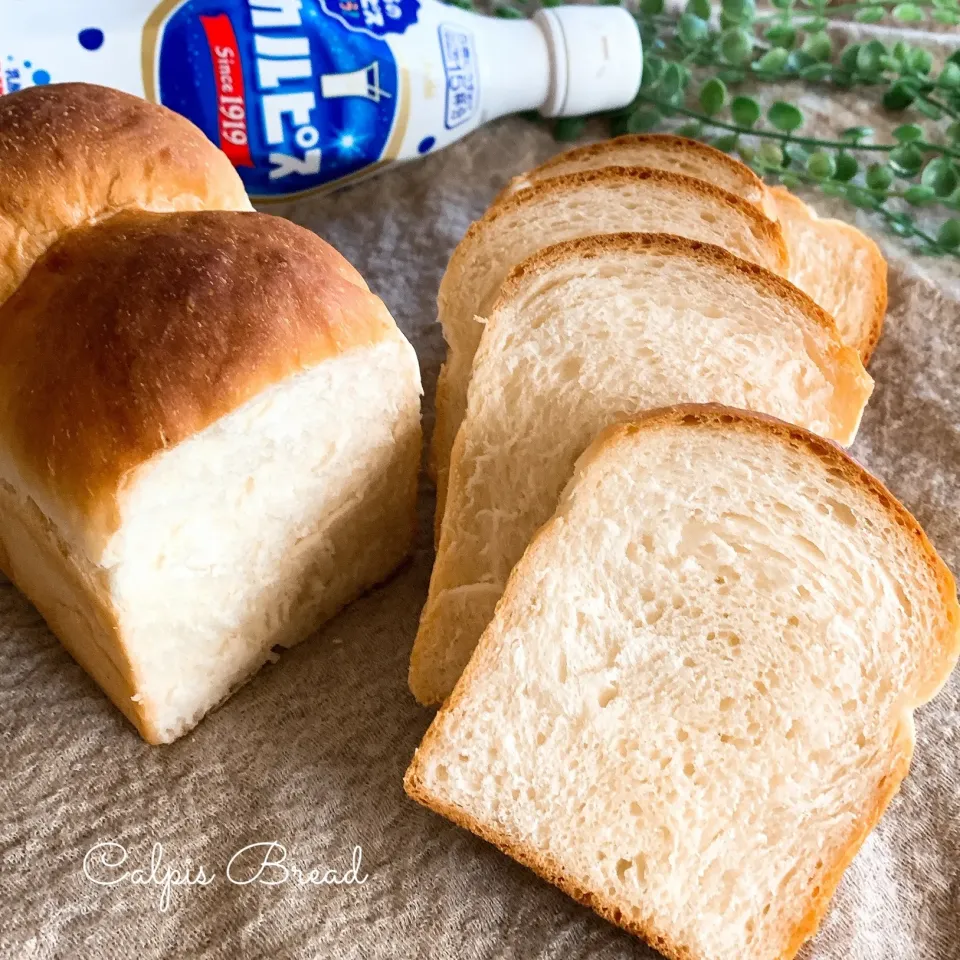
702, 64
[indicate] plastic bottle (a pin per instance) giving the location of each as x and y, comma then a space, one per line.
310, 94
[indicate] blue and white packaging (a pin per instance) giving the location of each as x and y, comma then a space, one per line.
305, 95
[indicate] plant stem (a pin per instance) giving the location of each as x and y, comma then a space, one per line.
790, 138
888, 215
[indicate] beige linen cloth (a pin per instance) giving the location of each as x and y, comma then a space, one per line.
311, 753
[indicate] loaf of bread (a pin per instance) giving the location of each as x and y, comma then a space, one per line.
833, 262
564, 208
209, 426
76, 153
588, 332
696, 697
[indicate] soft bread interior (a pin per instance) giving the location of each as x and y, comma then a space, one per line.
695, 698
564, 209
597, 332
839, 267
245, 536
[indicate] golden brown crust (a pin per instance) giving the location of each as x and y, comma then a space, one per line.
793, 211
543, 866
665, 244
716, 416
73, 153
666, 142
613, 176
547, 868
133, 334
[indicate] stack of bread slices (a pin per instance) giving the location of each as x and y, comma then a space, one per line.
683, 631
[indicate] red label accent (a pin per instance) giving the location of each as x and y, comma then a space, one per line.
231, 100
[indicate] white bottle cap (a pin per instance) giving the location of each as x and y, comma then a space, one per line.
595, 58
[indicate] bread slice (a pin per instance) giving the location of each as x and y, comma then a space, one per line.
564, 208
588, 332
658, 151
838, 266
209, 442
696, 698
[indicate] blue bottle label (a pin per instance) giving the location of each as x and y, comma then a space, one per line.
298, 93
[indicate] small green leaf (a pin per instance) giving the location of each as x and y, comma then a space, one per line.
953, 131
798, 59
847, 167
899, 96
821, 165
569, 128
941, 176
651, 7
699, 8
857, 134
692, 129
900, 51
949, 234
906, 160
869, 14
671, 83
745, 111
652, 71
949, 77
818, 46
771, 154
833, 189
816, 72
908, 132
780, 35
785, 116
947, 17
848, 58
908, 13
713, 96
919, 195
692, 30
727, 142
879, 176
642, 120
507, 13
747, 153
738, 11
736, 45
790, 180
920, 60
861, 198
868, 57
773, 61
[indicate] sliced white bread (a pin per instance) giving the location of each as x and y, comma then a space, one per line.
696, 698
564, 208
839, 267
659, 151
833, 262
588, 332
